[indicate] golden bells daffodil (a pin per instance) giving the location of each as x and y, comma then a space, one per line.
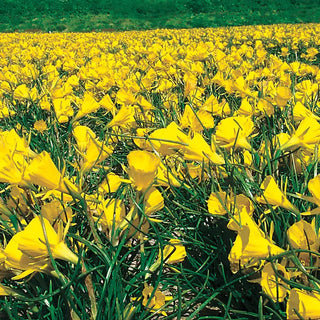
218, 203
282, 97
88, 105
271, 282
300, 112
302, 236
111, 183
199, 150
43, 172
143, 167
153, 201
112, 214
39, 235
306, 135
168, 140
27, 250
314, 188
233, 132
172, 253
303, 305
83, 135
154, 299
251, 245
55, 211
274, 196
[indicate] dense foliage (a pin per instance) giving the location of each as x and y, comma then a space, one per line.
80, 15
165, 174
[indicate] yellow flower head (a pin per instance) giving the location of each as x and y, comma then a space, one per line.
21, 92
272, 284
113, 213
143, 167
63, 109
306, 135
168, 175
303, 305
251, 244
107, 103
199, 150
274, 196
167, 140
154, 299
300, 112
153, 201
27, 250
54, 210
43, 172
83, 135
40, 126
234, 132
20, 261
301, 235
39, 234
314, 188
124, 118
174, 252
218, 203
196, 121
88, 105
282, 97
111, 183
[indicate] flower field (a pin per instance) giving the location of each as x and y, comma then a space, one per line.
164, 174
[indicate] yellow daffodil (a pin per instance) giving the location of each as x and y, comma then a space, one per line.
197, 121
21, 92
234, 132
63, 109
111, 183
197, 149
306, 135
40, 126
54, 210
107, 103
217, 203
303, 305
167, 175
302, 235
167, 140
83, 135
174, 252
27, 250
251, 244
154, 299
124, 118
282, 97
143, 167
314, 188
300, 112
274, 196
88, 105
39, 234
112, 214
43, 172
272, 282
153, 201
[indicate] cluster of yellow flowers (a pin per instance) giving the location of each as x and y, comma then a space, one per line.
236, 108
